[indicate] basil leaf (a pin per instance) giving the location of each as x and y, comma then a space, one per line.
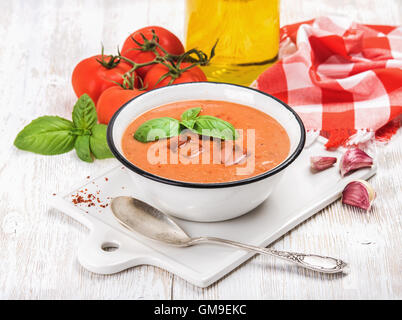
214, 127
84, 113
47, 135
190, 114
156, 129
98, 143
188, 123
82, 148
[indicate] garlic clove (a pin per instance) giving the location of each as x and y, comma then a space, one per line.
354, 159
321, 163
358, 193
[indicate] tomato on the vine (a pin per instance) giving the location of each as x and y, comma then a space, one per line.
166, 39
92, 77
112, 99
152, 79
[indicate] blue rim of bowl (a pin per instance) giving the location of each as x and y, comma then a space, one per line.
235, 183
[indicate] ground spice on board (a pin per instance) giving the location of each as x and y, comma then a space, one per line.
88, 199
91, 198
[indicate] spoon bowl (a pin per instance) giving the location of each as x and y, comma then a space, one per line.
141, 217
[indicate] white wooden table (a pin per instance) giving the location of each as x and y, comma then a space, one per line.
41, 43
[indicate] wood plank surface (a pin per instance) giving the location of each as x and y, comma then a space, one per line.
41, 43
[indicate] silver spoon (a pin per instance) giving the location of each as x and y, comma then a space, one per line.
140, 217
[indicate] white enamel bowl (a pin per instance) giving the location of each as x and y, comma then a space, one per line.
211, 201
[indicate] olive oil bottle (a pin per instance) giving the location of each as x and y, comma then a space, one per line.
247, 32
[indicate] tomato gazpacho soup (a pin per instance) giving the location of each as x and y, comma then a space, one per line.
253, 142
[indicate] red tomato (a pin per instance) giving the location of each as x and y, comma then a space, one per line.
90, 77
112, 99
195, 74
167, 40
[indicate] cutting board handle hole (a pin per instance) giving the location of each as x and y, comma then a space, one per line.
110, 246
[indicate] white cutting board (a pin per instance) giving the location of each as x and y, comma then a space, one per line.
299, 195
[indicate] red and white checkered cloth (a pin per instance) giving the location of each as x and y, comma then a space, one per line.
343, 78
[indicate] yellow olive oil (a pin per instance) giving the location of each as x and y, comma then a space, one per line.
247, 32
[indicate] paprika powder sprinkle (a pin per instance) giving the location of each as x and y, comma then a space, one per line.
88, 199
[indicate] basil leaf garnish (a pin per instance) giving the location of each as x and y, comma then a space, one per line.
190, 114
168, 127
214, 127
188, 123
84, 113
82, 148
98, 143
156, 129
47, 135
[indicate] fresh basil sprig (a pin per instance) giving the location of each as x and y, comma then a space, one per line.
51, 135
165, 127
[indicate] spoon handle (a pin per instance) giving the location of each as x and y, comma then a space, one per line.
308, 261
